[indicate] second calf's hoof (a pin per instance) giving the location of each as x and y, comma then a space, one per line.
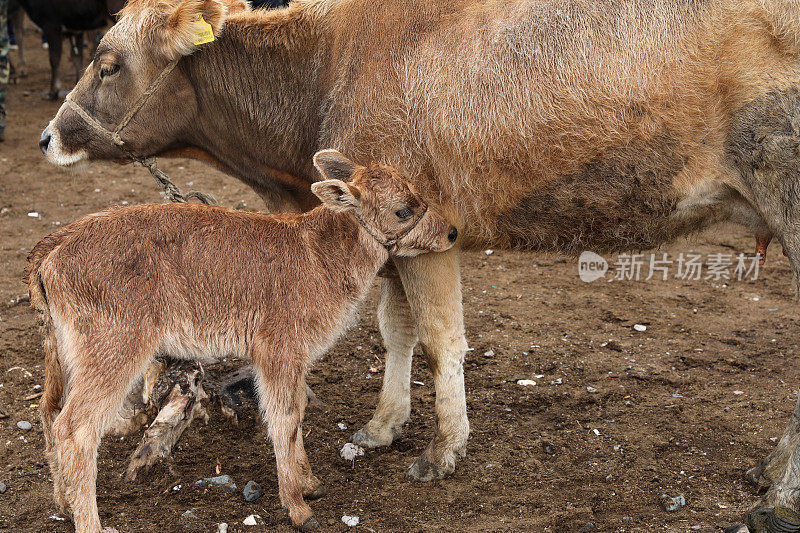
777, 520
309, 525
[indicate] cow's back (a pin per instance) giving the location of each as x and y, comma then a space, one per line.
546, 124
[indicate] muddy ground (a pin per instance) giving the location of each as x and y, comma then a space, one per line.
684, 407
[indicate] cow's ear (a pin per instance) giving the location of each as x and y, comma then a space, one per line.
334, 166
191, 24
337, 195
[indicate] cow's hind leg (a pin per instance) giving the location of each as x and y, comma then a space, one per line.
398, 328
282, 396
100, 376
433, 287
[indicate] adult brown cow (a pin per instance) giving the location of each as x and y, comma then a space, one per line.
557, 125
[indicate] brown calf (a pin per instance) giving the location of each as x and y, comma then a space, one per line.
116, 287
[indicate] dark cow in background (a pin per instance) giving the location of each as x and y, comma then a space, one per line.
268, 4
63, 18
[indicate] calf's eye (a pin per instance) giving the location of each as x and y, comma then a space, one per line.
404, 213
108, 70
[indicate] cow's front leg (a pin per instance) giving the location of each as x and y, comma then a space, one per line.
432, 284
398, 328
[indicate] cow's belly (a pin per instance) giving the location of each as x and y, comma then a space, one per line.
635, 198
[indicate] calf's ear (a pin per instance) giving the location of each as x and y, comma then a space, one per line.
334, 166
336, 195
191, 24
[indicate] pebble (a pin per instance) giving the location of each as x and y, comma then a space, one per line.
222, 527
188, 518
351, 521
526, 382
3, 488
226, 482
350, 451
489, 353
591, 389
342, 426
24, 425
489, 252
639, 327
673, 504
33, 214
252, 491
250, 520
738, 528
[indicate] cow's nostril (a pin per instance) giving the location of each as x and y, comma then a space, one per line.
44, 141
453, 235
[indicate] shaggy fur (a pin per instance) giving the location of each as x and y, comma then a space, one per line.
117, 287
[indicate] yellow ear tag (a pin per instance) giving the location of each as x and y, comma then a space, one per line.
203, 32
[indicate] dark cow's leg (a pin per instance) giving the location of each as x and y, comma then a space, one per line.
76, 53
54, 42
18, 19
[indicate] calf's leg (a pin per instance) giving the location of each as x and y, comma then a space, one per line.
281, 398
398, 328
99, 380
432, 285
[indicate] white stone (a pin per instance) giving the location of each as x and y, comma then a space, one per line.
351, 521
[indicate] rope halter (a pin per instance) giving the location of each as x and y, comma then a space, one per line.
171, 191
382, 239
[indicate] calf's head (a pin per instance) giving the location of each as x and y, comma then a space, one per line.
149, 37
384, 203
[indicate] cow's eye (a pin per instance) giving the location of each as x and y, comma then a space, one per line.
403, 214
108, 70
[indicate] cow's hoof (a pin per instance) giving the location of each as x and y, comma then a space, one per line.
778, 520
364, 438
738, 528
309, 525
423, 470
317, 493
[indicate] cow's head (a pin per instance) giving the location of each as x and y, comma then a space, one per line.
149, 36
383, 203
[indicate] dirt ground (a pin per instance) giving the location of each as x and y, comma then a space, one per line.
684, 407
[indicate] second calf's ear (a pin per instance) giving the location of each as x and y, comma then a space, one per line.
336, 194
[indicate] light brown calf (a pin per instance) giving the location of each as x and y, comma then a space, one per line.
119, 286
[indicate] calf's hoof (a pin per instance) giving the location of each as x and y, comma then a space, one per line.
309, 525
777, 520
366, 439
316, 494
